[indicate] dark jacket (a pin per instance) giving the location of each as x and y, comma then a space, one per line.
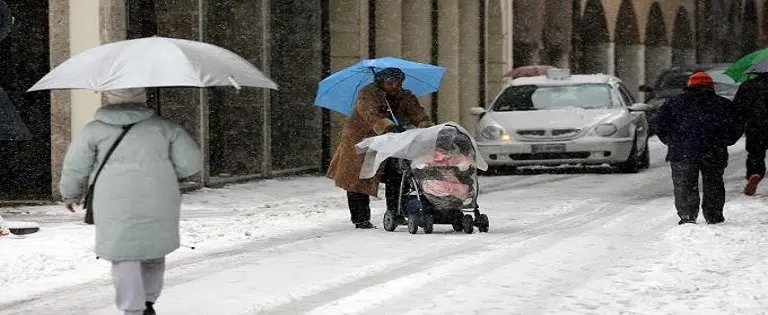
698, 126
750, 100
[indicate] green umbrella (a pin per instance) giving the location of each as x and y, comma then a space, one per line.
737, 69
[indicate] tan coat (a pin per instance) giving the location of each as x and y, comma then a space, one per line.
370, 118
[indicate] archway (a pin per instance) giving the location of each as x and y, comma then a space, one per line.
556, 34
597, 48
658, 53
682, 39
496, 24
577, 45
733, 40
706, 36
750, 31
527, 32
629, 60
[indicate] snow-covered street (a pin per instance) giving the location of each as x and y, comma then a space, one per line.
561, 242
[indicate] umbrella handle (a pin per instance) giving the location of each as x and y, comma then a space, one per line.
391, 113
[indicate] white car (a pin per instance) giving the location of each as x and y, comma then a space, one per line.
564, 119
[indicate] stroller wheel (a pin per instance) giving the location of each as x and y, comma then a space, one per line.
429, 223
483, 223
468, 223
413, 223
458, 227
390, 221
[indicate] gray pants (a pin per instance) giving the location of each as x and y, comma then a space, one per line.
137, 282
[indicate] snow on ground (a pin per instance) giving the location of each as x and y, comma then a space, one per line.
566, 242
61, 253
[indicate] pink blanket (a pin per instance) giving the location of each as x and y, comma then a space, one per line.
448, 186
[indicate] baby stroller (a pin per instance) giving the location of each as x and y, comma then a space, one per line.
440, 187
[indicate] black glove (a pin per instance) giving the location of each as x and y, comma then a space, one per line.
398, 129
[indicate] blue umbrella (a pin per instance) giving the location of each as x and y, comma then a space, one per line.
338, 91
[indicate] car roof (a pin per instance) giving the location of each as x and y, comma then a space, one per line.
570, 80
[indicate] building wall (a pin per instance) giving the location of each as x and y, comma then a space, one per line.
255, 133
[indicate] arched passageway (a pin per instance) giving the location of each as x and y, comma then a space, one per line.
597, 49
658, 53
683, 51
750, 28
629, 52
556, 34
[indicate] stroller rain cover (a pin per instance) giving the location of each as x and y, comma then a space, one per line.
443, 159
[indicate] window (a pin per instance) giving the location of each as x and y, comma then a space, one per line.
626, 95
535, 97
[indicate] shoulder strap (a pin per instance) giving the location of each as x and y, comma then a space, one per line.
111, 149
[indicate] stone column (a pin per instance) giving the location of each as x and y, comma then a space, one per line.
389, 28
449, 56
84, 33
61, 113
630, 66
469, 62
496, 41
349, 44
417, 36
598, 58
113, 21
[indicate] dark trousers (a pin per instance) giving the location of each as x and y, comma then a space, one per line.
756, 146
756, 163
685, 178
360, 204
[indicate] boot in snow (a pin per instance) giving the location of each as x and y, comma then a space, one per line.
149, 310
751, 186
365, 225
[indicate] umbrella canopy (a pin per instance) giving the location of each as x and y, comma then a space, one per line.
153, 62
11, 126
740, 70
338, 91
528, 71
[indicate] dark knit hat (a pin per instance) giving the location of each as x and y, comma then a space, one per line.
390, 75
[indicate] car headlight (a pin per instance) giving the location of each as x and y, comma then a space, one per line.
492, 132
606, 130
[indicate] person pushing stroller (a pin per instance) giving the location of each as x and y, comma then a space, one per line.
371, 117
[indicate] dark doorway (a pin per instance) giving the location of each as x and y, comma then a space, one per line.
25, 166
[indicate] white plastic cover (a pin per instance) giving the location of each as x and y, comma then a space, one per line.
417, 145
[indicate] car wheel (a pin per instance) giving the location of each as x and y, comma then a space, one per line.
632, 165
645, 159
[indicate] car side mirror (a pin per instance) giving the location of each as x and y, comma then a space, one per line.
477, 111
640, 107
645, 88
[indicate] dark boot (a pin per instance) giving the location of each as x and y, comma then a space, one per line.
150, 310
360, 210
365, 225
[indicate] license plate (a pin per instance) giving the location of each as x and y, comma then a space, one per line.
547, 148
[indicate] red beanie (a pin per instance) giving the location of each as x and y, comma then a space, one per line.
701, 79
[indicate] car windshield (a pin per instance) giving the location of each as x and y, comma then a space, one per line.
535, 97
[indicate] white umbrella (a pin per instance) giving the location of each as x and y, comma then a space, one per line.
153, 62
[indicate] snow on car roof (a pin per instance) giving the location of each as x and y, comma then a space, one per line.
572, 79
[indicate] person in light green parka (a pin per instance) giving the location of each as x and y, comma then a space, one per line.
136, 200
